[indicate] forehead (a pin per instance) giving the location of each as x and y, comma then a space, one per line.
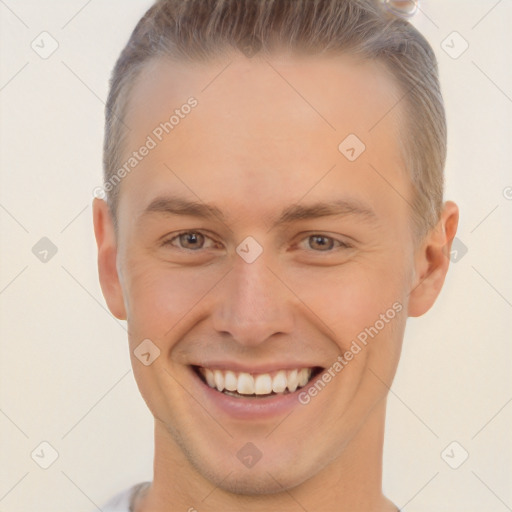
264, 127
336, 93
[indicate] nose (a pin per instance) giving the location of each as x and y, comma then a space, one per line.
253, 304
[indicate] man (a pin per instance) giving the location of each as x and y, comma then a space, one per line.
274, 213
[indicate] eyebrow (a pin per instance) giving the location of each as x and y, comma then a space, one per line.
172, 205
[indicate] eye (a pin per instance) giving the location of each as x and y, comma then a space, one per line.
195, 241
323, 243
189, 240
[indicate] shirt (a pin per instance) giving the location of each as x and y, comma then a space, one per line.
124, 501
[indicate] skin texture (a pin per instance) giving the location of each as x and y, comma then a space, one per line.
264, 136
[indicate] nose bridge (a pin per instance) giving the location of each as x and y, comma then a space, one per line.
252, 304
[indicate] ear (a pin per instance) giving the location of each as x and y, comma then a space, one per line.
107, 258
432, 260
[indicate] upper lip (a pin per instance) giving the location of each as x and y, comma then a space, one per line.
255, 368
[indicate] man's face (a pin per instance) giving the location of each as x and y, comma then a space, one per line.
263, 140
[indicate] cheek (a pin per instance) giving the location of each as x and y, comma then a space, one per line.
157, 296
350, 298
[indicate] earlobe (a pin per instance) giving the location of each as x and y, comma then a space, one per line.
432, 261
107, 258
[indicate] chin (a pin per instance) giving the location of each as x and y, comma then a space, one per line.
265, 481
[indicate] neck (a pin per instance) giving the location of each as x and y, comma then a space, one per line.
351, 482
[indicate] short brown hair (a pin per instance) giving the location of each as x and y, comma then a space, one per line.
200, 29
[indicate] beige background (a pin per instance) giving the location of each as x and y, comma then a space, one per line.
64, 366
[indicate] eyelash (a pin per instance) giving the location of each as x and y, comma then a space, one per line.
341, 244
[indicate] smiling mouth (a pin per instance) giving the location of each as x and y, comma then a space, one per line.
257, 385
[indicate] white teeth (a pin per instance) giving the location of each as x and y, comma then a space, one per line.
279, 383
245, 384
230, 381
262, 384
218, 376
304, 376
209, 377
293, 381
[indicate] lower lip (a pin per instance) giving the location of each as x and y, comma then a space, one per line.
250, 408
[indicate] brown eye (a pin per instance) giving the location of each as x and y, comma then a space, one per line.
190, 240
321, 242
